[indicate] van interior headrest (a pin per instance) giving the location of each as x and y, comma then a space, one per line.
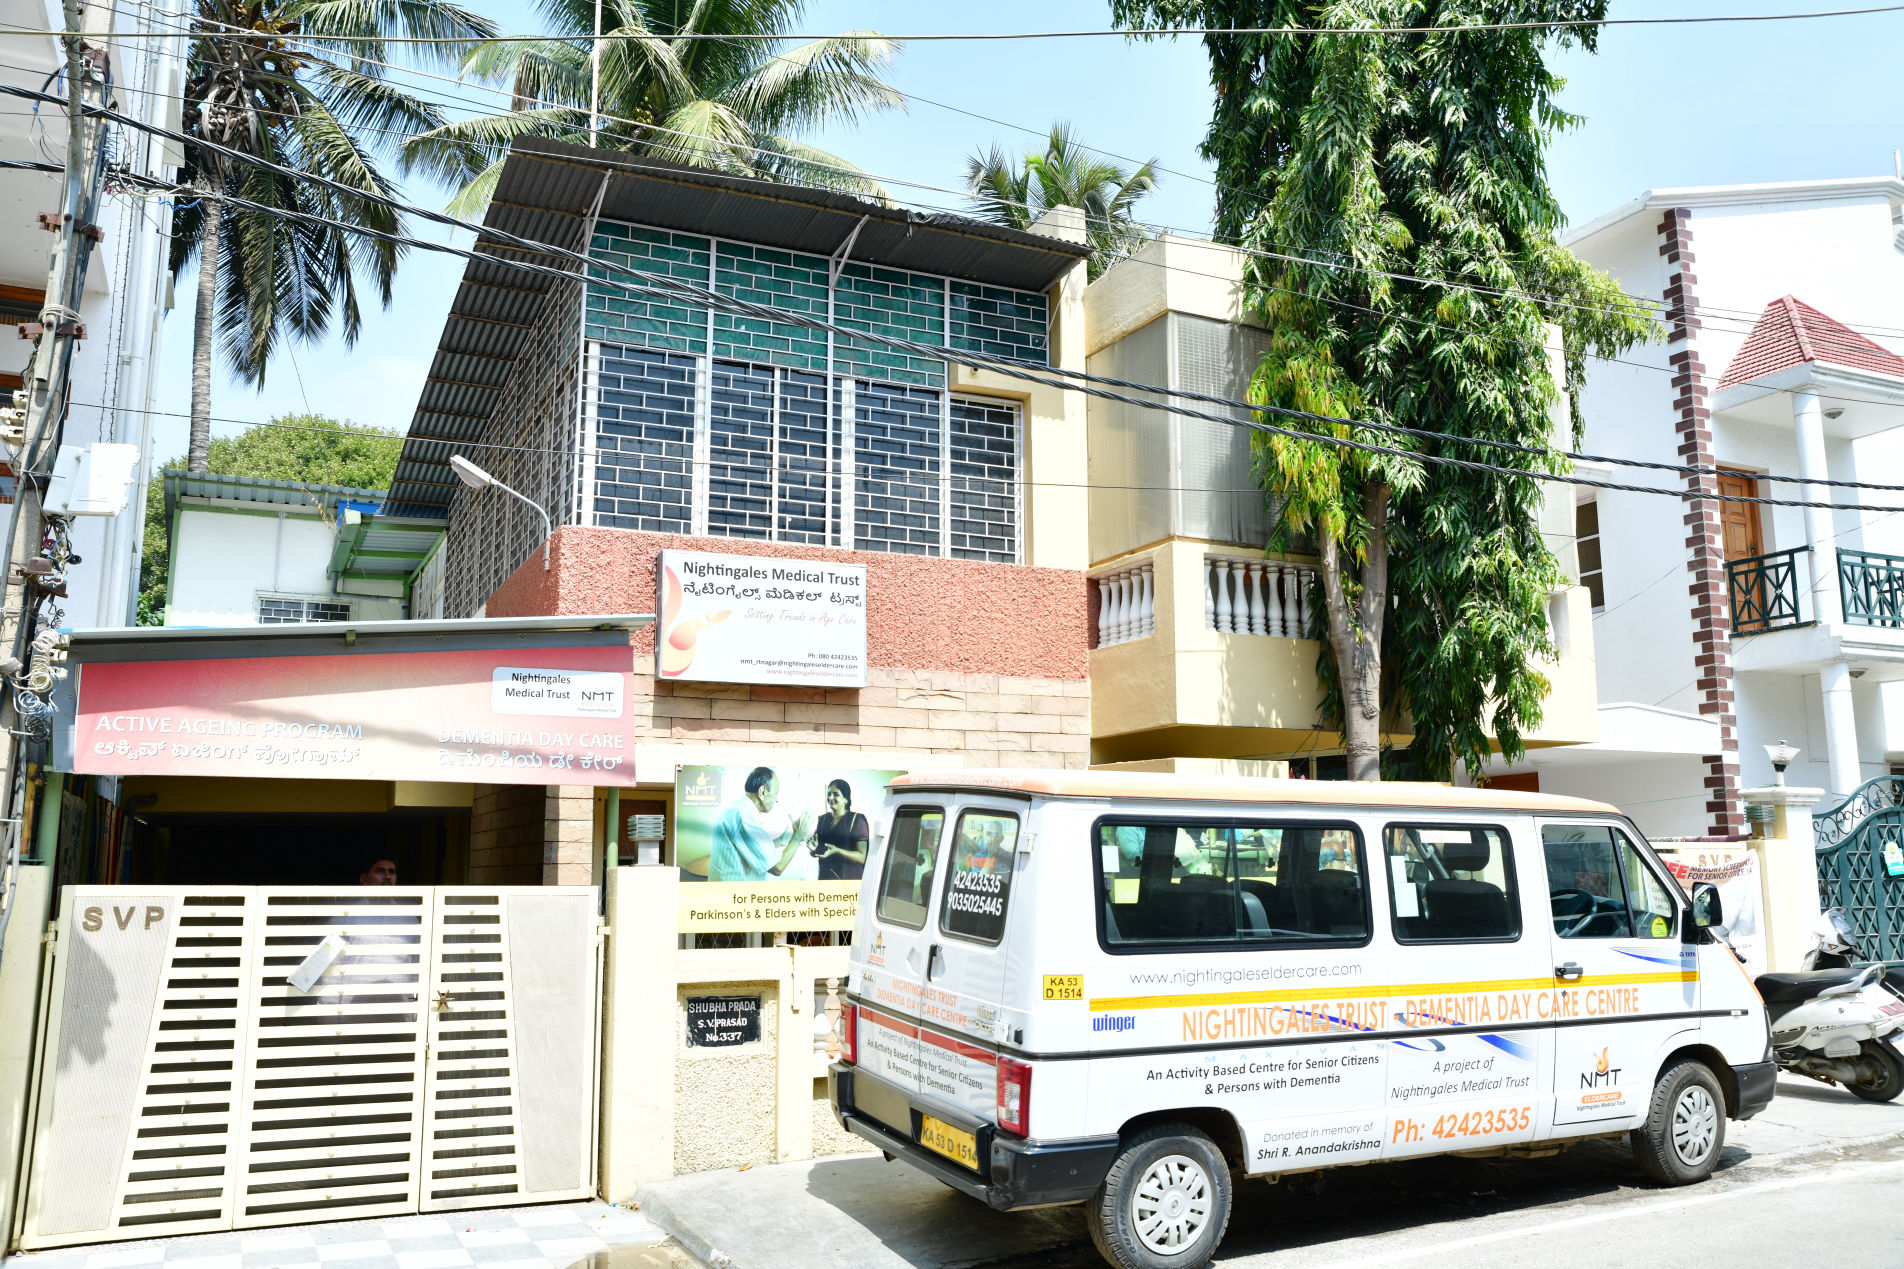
1469, 856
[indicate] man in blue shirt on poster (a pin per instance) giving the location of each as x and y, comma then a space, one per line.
750, 842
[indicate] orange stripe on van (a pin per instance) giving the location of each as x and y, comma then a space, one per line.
1119, 1004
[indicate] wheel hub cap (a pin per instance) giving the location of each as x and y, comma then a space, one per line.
1171, 1205
1695, 1126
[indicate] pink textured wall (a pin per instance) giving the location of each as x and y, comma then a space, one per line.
923, 614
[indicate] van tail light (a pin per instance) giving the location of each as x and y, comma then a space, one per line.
849, 1033
1014, 1097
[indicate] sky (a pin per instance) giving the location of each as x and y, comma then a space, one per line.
1662, 106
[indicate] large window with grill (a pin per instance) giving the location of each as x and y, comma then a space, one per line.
283, 610
707, 446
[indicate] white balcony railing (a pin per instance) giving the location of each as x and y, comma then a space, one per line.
1258, 597
1126, 604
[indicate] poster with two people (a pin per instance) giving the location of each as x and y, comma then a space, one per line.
776, 823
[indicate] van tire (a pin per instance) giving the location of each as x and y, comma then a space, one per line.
1198, 1176
1684, 1132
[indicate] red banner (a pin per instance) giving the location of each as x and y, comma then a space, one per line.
522, 716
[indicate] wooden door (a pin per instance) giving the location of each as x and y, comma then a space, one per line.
1743, 539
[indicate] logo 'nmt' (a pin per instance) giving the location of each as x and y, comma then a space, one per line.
1603, 1074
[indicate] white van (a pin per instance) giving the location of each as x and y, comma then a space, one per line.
1114, 989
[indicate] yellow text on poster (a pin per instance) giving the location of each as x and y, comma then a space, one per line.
752, 906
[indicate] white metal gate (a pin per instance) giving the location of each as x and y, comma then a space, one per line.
446, 1059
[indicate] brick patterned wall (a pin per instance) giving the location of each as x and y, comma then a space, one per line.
568, 835
990, 719
1705, 541
506, 835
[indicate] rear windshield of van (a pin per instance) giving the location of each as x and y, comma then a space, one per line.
1230, 883
912, 861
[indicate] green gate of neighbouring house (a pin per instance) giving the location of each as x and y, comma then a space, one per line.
1861, 864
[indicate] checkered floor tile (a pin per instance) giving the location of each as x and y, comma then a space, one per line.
555, 1236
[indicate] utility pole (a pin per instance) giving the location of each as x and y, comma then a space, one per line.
39, 407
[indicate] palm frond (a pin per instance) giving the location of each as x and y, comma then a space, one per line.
795, 162
357, 28
832, 79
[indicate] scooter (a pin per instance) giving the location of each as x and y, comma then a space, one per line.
1835, 1023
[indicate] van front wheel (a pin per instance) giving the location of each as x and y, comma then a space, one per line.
1684, 1132
1165, 1202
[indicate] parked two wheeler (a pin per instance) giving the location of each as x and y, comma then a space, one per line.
1836, 1023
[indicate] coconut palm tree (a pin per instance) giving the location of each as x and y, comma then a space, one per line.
732, 105
1017, 191
295, 82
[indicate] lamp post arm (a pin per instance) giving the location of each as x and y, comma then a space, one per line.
547, 523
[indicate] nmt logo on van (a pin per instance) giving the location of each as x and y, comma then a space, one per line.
1114, 1022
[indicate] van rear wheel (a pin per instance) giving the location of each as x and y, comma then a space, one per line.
1684, 1132
1165, 1202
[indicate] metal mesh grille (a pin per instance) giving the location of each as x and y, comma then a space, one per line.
895, 469
741, 453
274, 610
644, 438
985, 490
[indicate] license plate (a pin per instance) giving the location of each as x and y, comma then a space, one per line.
943, 1138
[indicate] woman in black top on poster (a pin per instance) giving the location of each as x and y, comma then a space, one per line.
840, 840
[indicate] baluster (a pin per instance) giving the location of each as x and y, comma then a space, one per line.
1302, 576
1104, 612
1146, 602
1224, 618
1120, 607
1273, 623
1259, 623
1286, 601
1209, 593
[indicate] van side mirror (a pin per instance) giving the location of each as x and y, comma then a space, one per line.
1707, 911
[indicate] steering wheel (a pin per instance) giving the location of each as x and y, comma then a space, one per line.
1591, 911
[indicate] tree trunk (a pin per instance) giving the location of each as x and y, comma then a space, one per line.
210, 251
1355, 636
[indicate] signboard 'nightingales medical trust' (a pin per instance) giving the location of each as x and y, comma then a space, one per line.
750, 619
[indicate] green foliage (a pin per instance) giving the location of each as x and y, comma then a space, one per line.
308, 448
1401, 180
1016, 192
282, 102
735, 106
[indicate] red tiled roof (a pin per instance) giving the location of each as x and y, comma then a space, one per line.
1791, 332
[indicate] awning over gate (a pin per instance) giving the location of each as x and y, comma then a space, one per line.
539, 700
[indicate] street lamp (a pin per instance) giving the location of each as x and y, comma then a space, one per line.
1781, 755
476, 478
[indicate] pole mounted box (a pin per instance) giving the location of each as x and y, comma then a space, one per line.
91, 480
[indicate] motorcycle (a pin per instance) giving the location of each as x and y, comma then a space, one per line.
1836, 1023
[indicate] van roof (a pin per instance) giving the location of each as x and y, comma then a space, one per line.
1190, 788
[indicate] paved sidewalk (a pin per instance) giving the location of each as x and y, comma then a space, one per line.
549, 1236
860, 1211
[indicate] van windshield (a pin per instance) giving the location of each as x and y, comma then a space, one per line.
1237, 883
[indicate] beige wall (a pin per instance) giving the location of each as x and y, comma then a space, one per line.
1168, 274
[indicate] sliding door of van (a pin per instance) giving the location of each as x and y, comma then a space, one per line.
894, 982
1468, 1069
1625, 985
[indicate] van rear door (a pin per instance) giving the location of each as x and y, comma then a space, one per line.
895, 958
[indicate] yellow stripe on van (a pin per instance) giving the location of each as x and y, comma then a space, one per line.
1204, 1000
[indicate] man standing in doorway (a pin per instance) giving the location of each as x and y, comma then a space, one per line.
380, 870
751, 841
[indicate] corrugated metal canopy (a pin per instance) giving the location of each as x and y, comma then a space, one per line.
180, 483
544, 194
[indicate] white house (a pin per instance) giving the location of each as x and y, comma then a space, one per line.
1725, 626
246, 551
127, 289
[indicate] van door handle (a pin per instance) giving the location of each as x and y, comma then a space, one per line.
933, 964
1568, 973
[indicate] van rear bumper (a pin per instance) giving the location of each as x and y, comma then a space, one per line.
1021, 1174
1756, 1083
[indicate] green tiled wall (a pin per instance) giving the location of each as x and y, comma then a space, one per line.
891, 302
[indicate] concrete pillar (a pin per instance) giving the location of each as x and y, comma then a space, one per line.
639, 1029
1841, 726
1808, 425
568, 835
1788, 862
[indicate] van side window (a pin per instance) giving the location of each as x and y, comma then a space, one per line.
1601, 887
912, 860
1451, 883
978, 881
1227, 883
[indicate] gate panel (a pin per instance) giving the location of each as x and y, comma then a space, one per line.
145, 1036
513, 989
333, 1084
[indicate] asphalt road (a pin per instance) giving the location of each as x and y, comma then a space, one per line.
1587, 1206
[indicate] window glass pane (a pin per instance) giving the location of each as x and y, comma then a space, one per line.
984, 480
1655, 908
1596, 589
895, 469
1583, 880
804, 455
740, 451
978, 884
1451, 883
912, 858
1586, 518
1232, 884
644, 440
1589, 549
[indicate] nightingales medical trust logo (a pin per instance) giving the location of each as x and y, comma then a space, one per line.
702, 789
682, 628
1604, 1074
